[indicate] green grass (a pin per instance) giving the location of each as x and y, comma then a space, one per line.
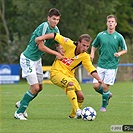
48, 112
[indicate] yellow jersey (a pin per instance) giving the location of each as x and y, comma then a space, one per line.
71, 61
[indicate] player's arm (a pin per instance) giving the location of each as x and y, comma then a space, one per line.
44, 37
56, 36
92, 70
60, 49
42, 47
123, 48
92, 54
120, 53
50, 36
86, 62
96, 76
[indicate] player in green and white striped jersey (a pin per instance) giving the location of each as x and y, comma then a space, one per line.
30, 61
111, 46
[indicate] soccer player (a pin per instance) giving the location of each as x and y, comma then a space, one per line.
62, 71
109, 42
30, 61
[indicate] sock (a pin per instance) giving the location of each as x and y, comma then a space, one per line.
34, 96
80, 103
100, 89
105, 98
72, 97
73, 112
25, 102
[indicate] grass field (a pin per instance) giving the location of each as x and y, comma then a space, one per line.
49, 111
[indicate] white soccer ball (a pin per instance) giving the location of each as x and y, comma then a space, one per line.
88, 114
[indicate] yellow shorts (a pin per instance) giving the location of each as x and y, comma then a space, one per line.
62, 80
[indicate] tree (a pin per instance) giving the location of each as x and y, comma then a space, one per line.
20, 17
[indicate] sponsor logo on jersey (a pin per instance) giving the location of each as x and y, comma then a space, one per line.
66, 39
67, 61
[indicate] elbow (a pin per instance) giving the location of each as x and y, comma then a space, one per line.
37, 40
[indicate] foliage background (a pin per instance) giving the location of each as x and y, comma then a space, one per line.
19, 18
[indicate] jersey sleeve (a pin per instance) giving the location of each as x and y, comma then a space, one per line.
123, 43
88, 64
96, 41
45, 26
38, 31
63, 40
56, 31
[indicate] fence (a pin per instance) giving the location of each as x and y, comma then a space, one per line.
124, 73
46, 77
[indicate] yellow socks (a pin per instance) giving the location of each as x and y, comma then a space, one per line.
73, 112
73, 99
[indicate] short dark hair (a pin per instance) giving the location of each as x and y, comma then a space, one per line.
54, 12
86, 37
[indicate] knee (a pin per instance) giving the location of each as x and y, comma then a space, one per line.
40, 87
70, 84
70, 88
96, 86
36, 88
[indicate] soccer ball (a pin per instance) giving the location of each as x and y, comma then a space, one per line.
88, 114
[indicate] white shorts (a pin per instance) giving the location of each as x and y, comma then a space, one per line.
107, 75
31, 70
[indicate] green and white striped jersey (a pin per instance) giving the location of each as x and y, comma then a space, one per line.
32, 52
108, 45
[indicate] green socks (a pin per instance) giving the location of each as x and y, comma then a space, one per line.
100, 90
34, 96
105, 98
25, 102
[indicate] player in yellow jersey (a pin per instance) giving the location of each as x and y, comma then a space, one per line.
62, 71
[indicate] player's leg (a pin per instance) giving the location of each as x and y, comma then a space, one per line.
80, 97
97, 86
109, 79
103, 89
35, 85
39, 72
105, 97
67, 84
28, 96
21, 102
72, 98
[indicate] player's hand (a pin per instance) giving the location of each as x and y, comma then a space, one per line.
100, 81
59, 56
60, 49
116, 54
